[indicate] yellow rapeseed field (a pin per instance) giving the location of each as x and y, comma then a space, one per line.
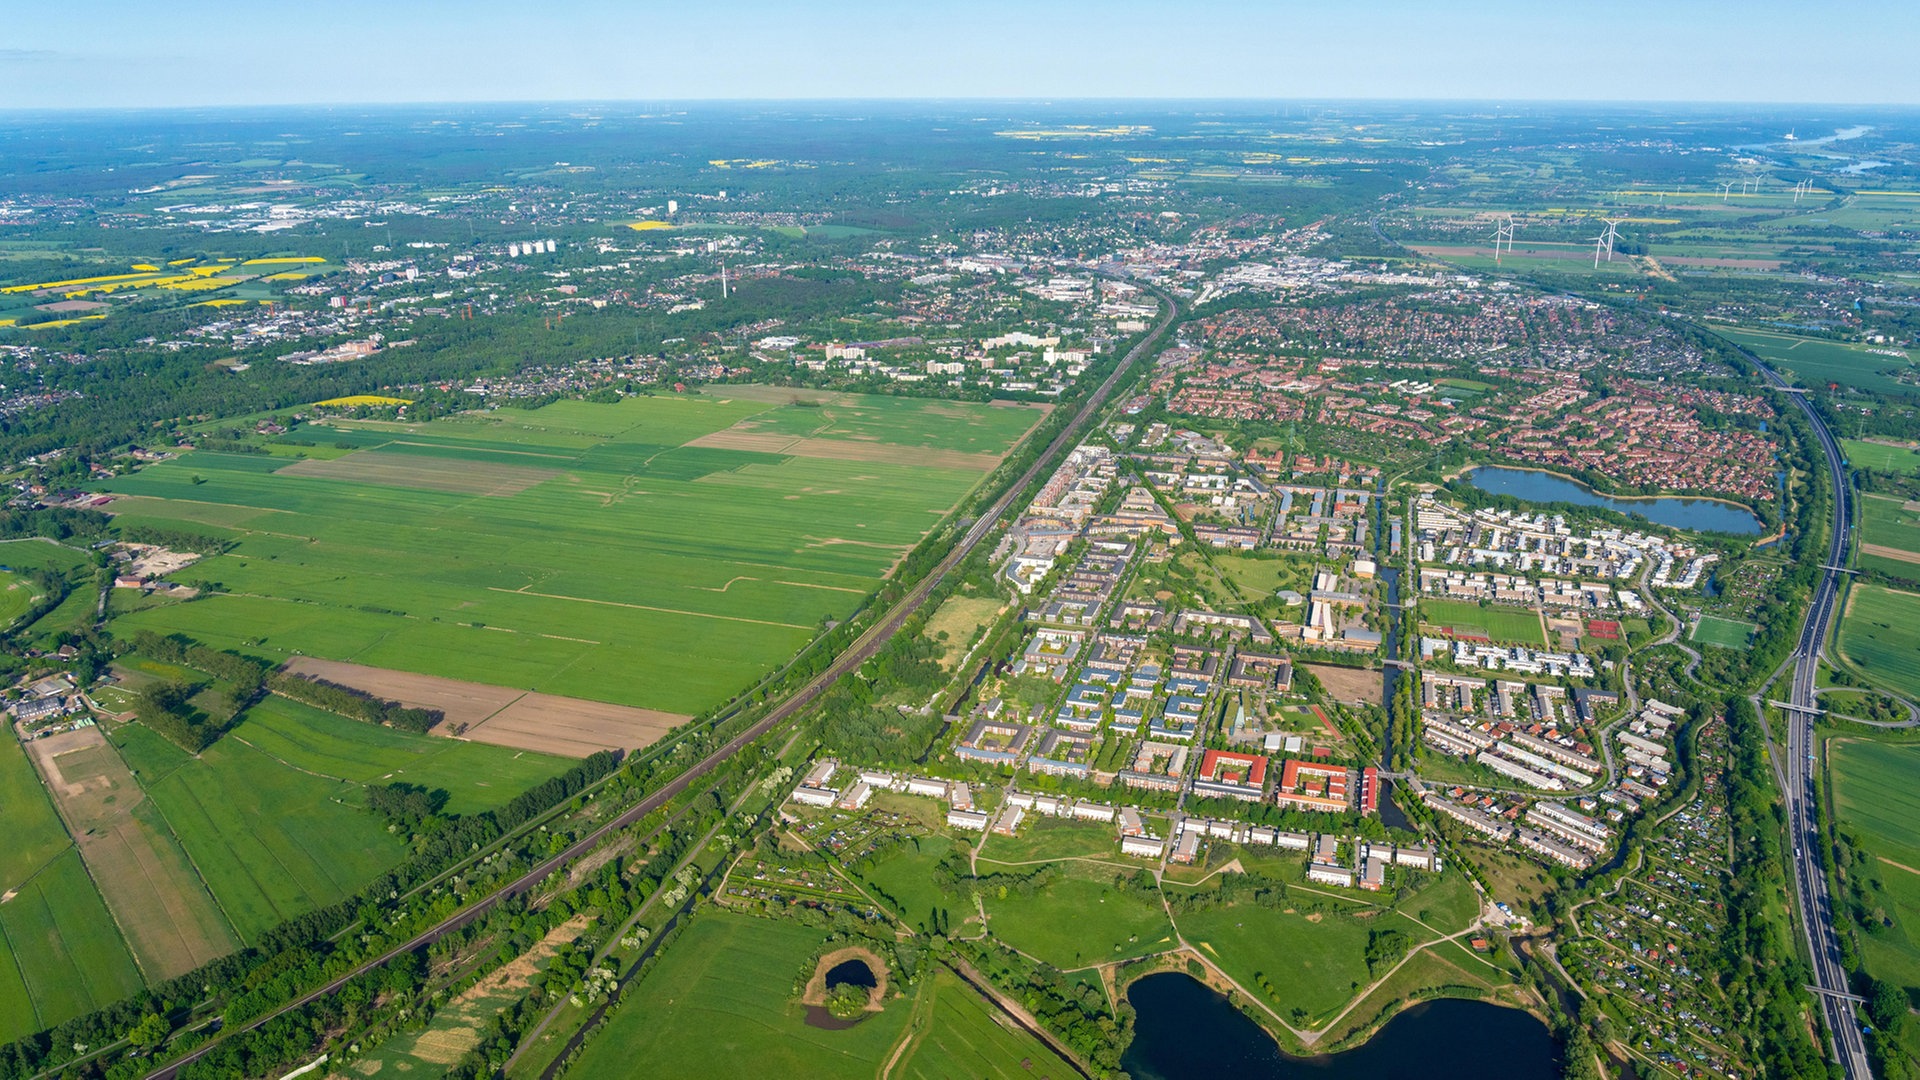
644, 226
360, 399
283, 260
72, 281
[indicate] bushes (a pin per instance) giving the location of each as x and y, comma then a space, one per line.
351, 703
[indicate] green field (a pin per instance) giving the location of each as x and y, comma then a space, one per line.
904, 879
60, 954
271, 842
1874, 794
1881, 457
1054, 838
1500, 624
17, 594
967, 1039
1726, 633
1260, 578
1079, 918
1888, 523
1817, 362
475, 776
721, 1000
1880, 636
579, 549
1313, 965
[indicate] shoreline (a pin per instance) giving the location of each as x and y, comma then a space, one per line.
1591, 490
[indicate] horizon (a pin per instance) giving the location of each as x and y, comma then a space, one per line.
190, 55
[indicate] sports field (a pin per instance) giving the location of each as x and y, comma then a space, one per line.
1726, 633
1817, 362
581, 550
722, 998
1499, 624
1880, 456
1880, 636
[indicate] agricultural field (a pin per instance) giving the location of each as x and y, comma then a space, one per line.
162, 907
1880, 637
726, 991
1889, 528
1521, 627
60, 954
270, 841
967, 1039
1874, 796
1817, 362
1726, 633
475, 776
580, 550
1881, 457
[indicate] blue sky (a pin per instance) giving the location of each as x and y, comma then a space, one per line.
198, 52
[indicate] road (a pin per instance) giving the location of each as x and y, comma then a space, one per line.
1797, 772
848, 661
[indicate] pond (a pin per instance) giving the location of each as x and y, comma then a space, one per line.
1703, 515
851, 973
1186, 1031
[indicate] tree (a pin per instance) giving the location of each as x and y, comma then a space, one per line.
151, 1031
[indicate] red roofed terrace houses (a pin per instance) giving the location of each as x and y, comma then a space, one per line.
1225, 774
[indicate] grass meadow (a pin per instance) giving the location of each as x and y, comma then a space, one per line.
965, 1039
1888, 523
476, 776
1817, 362
58, 946
1881, 457
1874, 794
1501, 624
578, 549
270, 841
1079, 918
723, 999
1880, 636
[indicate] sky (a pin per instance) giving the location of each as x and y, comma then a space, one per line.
198, 52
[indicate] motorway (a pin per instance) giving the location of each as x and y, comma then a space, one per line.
1796, 766
848, 661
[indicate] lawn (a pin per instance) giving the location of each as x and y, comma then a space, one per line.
579, 549
270, 841
1500, 624
968, 1039
1726, 633
1313, 960
1817, 362
1261, 577
17, 594
1880, 637
1079, 919
722, 999
1880, 457
475, 776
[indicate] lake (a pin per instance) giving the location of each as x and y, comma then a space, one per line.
1700, 515
1186, 1031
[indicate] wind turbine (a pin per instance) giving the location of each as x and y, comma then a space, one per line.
1727, 189
1599, 247
1502, 233
1611, 235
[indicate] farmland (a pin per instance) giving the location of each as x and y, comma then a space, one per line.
581, 550
1882, 457
725, 992
1499, 624
1817, 362
966, 1040
1874, 796
271, 842
1881, 639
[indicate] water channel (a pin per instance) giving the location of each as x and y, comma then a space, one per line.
1186, 1031
1700, 515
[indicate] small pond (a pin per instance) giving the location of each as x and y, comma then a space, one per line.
1186, 1031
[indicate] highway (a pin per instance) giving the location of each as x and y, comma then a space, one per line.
1796, 771
848, 661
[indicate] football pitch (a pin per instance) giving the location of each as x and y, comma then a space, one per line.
579, 549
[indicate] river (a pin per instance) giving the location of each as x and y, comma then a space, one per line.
1186, 1031
1674, 511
